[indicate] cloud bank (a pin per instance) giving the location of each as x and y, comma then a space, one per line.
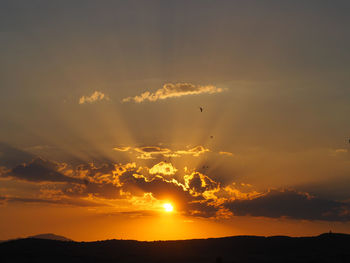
142, 187
291, 204
176, 90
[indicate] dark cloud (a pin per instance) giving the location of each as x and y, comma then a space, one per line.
199, 183
291, 204
40, 170
63, 201
334, 188
100, 190
202, 209
160, 188
11, 156
93, 171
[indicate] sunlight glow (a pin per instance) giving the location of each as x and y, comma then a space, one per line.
168, 207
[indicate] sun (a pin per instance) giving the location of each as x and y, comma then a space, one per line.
168, 207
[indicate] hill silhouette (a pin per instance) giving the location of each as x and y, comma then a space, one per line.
323, 248
51, 237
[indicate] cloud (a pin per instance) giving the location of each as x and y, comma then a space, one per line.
151, 152
60, 183
237, 191
96, 96
338, 152
63, 201
226, 153
170, 90
163, 168
40, 170
203, 209
122, 148
11, 156
196, 151
131, 182
159, 187
291, 204
192, 192
198, 183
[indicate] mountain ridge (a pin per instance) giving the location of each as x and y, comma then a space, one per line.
327, 247
50, 236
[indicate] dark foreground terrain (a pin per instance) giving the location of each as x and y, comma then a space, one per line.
323, 248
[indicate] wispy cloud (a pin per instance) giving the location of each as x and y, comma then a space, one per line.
170, 90
96, 96
122, 148
336, 152
62, 201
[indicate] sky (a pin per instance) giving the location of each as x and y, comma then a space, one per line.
234, 112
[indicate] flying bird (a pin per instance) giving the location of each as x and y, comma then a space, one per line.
211, 136
201, 109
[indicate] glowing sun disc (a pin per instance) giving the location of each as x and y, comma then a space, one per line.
168, 207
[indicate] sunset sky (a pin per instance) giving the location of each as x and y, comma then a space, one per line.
233, 113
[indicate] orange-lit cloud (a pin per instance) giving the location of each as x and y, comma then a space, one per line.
148, 152
170, 90
226, 153
151, 152
163, 168
198, 183
196, 151
147, 188
122, 148
96, 96
237, 191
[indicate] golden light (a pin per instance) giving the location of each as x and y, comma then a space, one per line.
168, 207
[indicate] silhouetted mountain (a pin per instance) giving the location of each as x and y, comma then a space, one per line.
51, 237
323, 248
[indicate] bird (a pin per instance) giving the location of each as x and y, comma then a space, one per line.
211, 136
201, 109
